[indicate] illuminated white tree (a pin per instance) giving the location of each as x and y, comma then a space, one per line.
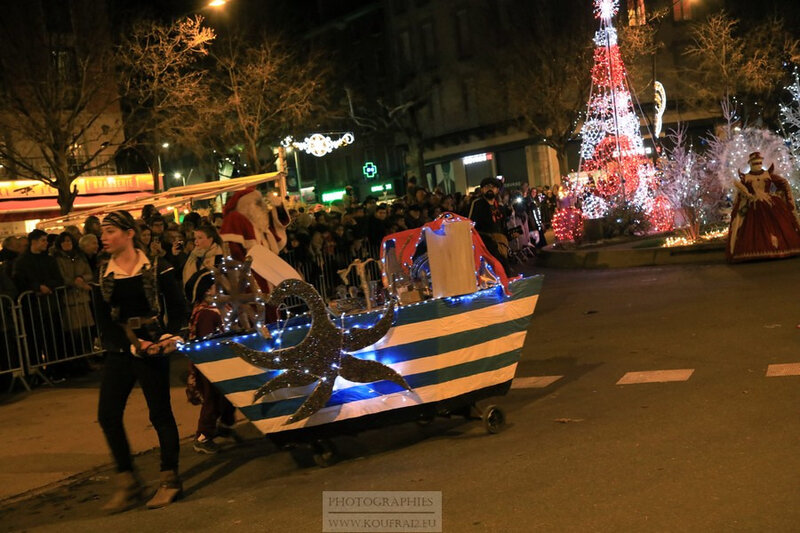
693, 193
728, 151
790, 119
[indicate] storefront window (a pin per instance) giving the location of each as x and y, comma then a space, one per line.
636, 13
682, 10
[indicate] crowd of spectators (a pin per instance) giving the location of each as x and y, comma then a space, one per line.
350, 229
320, 240
346, 230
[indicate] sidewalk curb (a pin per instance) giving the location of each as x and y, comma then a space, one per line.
601, 258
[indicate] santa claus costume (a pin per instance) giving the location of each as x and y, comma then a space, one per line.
251, 228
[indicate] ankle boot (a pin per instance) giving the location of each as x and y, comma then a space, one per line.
168, 491
128, 493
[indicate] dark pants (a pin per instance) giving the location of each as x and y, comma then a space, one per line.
121, 372
215, 406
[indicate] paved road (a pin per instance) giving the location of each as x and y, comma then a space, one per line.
714, 452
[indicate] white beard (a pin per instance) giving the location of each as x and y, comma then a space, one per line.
257, 216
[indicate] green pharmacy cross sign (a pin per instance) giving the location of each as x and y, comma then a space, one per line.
370, 170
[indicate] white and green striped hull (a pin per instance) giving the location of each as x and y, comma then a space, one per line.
444, 348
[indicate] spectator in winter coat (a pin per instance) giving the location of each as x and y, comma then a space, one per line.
92, 225
207, 252
490, 222
72, 264
12, 248
9, 251
376, 227
37, 271
414, 217
90, 247
34, 270
75, 303
7, 287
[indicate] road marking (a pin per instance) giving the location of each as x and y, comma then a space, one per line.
785, 369
536, 382
656, 376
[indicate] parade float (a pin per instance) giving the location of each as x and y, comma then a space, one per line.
449, 336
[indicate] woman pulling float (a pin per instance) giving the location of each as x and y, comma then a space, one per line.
141, 311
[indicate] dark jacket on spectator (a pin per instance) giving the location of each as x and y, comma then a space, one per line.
7, 287
486, 217
376, 231
33, 270
7, 255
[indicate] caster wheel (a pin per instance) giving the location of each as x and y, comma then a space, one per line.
493, 419
425, 419
302, 456
324, 453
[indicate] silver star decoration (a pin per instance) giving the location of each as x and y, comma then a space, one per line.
322, 355
238, 295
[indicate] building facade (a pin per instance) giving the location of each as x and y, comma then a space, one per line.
59, 89
439, 51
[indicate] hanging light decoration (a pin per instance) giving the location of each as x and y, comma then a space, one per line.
318, 144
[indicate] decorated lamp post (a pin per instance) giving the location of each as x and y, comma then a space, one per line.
316, 144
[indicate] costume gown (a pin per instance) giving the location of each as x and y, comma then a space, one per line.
764, 224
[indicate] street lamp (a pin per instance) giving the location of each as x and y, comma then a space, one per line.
164, 146
179, 176
296, 166
217, 3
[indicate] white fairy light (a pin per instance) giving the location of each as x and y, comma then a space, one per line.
594, 207
605, 36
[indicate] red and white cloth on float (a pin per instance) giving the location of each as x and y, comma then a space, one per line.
406, 247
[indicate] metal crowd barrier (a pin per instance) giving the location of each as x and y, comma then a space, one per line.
322, 271
55, 328
41, 330
12, 359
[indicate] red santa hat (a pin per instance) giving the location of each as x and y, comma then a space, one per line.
233, 201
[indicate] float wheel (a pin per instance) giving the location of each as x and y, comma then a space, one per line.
494, 419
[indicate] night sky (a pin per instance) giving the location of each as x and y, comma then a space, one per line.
289, 14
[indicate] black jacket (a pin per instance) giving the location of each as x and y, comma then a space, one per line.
485, 217
33, 270
138, 296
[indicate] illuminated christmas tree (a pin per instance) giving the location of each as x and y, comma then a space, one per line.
612, 150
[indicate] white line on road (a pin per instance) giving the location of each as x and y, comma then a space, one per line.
656, 376
536, 382
785, 369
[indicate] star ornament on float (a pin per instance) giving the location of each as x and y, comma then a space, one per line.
322, 355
